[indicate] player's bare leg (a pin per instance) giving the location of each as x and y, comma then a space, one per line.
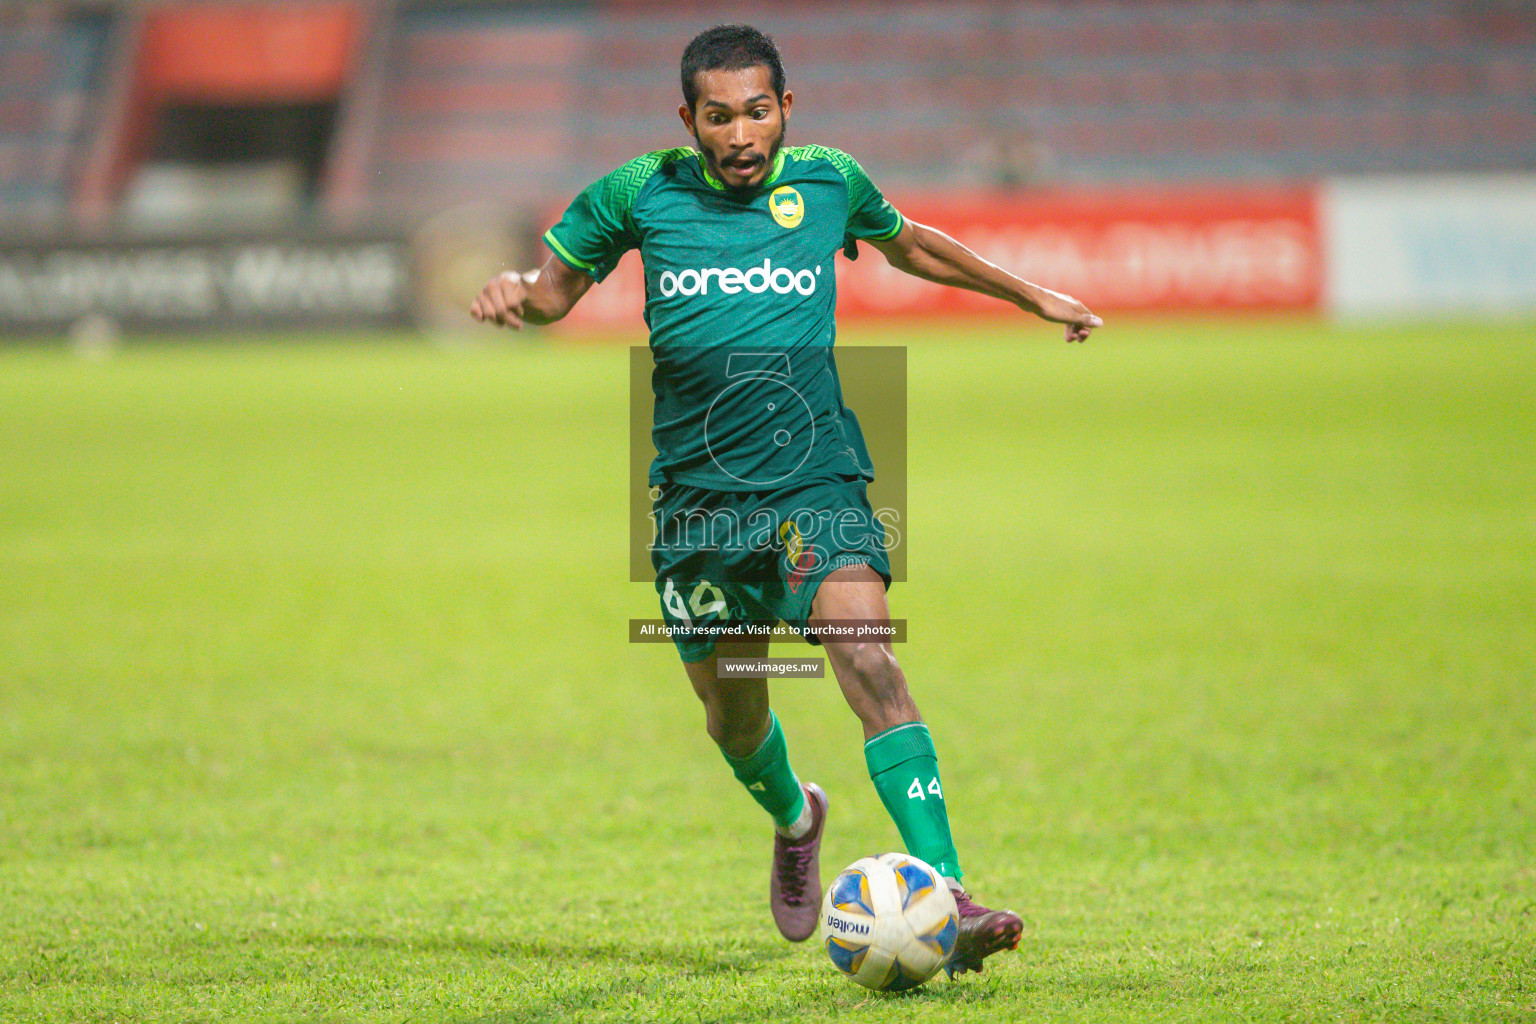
738, 718
735, 710
870, 677
900, 755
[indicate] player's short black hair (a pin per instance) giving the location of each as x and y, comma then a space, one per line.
729, 48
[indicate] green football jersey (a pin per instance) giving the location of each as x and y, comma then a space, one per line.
740, 292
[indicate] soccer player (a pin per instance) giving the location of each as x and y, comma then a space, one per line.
759, 481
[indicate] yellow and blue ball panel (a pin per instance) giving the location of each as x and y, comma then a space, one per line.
846, 956
899, 980
941, 937
912, 882
850, 894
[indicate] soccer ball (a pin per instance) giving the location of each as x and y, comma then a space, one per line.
889, 922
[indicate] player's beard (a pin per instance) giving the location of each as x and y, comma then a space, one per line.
714, 161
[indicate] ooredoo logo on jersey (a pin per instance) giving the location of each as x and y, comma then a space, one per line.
733, 280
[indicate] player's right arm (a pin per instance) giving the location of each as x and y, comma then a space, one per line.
538, 297
595, 231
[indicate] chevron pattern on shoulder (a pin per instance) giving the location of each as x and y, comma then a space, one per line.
847, 166
620, 187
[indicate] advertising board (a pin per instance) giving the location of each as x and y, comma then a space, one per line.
1144, 250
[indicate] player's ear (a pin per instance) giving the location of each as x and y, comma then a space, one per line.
786, 103
687, 116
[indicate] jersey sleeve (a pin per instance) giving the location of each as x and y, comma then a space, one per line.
598, 228
870, 214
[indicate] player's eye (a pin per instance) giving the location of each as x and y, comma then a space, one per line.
760, 113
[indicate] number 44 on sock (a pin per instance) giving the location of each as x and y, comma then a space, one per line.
916, 791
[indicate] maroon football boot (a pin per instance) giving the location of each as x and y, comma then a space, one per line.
794, 888
982, 933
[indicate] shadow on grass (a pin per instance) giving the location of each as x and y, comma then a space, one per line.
600, 977
585, 977
600, 996
688, 959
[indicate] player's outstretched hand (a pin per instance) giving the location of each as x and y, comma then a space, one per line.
501, 300
1064, 309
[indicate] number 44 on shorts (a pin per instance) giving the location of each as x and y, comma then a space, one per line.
707, 599
916, 792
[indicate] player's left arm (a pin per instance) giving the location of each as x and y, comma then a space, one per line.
932, 255
539, 296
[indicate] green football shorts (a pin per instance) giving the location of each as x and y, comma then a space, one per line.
728, 559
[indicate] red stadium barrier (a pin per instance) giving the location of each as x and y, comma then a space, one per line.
1170, 251
1166, 251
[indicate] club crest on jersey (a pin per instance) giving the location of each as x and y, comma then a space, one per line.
786, 206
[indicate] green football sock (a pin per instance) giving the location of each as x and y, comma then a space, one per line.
769, 778
905, 769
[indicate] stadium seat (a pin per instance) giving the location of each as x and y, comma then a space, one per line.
495, 98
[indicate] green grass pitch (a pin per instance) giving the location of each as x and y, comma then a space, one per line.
316, 702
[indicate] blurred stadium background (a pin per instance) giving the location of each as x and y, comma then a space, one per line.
201, 165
